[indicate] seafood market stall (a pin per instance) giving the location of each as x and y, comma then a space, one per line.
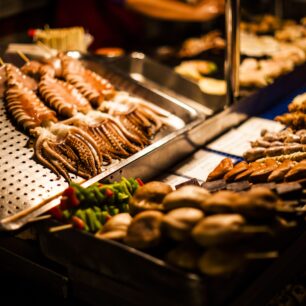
56, 245
124, 183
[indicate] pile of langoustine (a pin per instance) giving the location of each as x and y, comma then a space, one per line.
79, 121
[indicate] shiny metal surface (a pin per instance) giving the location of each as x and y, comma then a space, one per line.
164, 81
23, 182
232, 62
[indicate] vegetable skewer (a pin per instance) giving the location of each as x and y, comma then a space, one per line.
90, 208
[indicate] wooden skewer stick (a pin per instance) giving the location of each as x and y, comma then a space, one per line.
262, 255
42, 45
24, 213
1, 62
39, 218
60, 228
25, 58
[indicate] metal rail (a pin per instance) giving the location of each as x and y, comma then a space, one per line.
279, 8
232, 61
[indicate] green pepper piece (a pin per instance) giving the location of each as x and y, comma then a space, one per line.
67, 214
134, 184
122, 197
125, 207
89, 219
106, 216
77, 191
127, 184
104, 207
98, 224
80, 196
113, 210
82, 215
125, 188
98, 194
93, 222
97, 209
92, 200
116, 211
103, 216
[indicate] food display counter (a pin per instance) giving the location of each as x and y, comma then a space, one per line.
194, 167
132, 186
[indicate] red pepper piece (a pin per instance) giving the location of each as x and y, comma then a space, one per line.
56, 212
108, 217
68, 192
108, 192
31, 32
72, 197
139, 181
74, 201
78, 223
64, 204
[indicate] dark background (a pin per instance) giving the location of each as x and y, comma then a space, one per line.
112, 25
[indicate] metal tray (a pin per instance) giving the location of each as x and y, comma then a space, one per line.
102, 267
29, 189
164, 80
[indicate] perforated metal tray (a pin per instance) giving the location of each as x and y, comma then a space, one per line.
29, 189
24, 182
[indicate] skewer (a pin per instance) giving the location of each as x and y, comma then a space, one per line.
60, 228
29, 210
24, 57
262, 255
42, 45
1, 62
39, 218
